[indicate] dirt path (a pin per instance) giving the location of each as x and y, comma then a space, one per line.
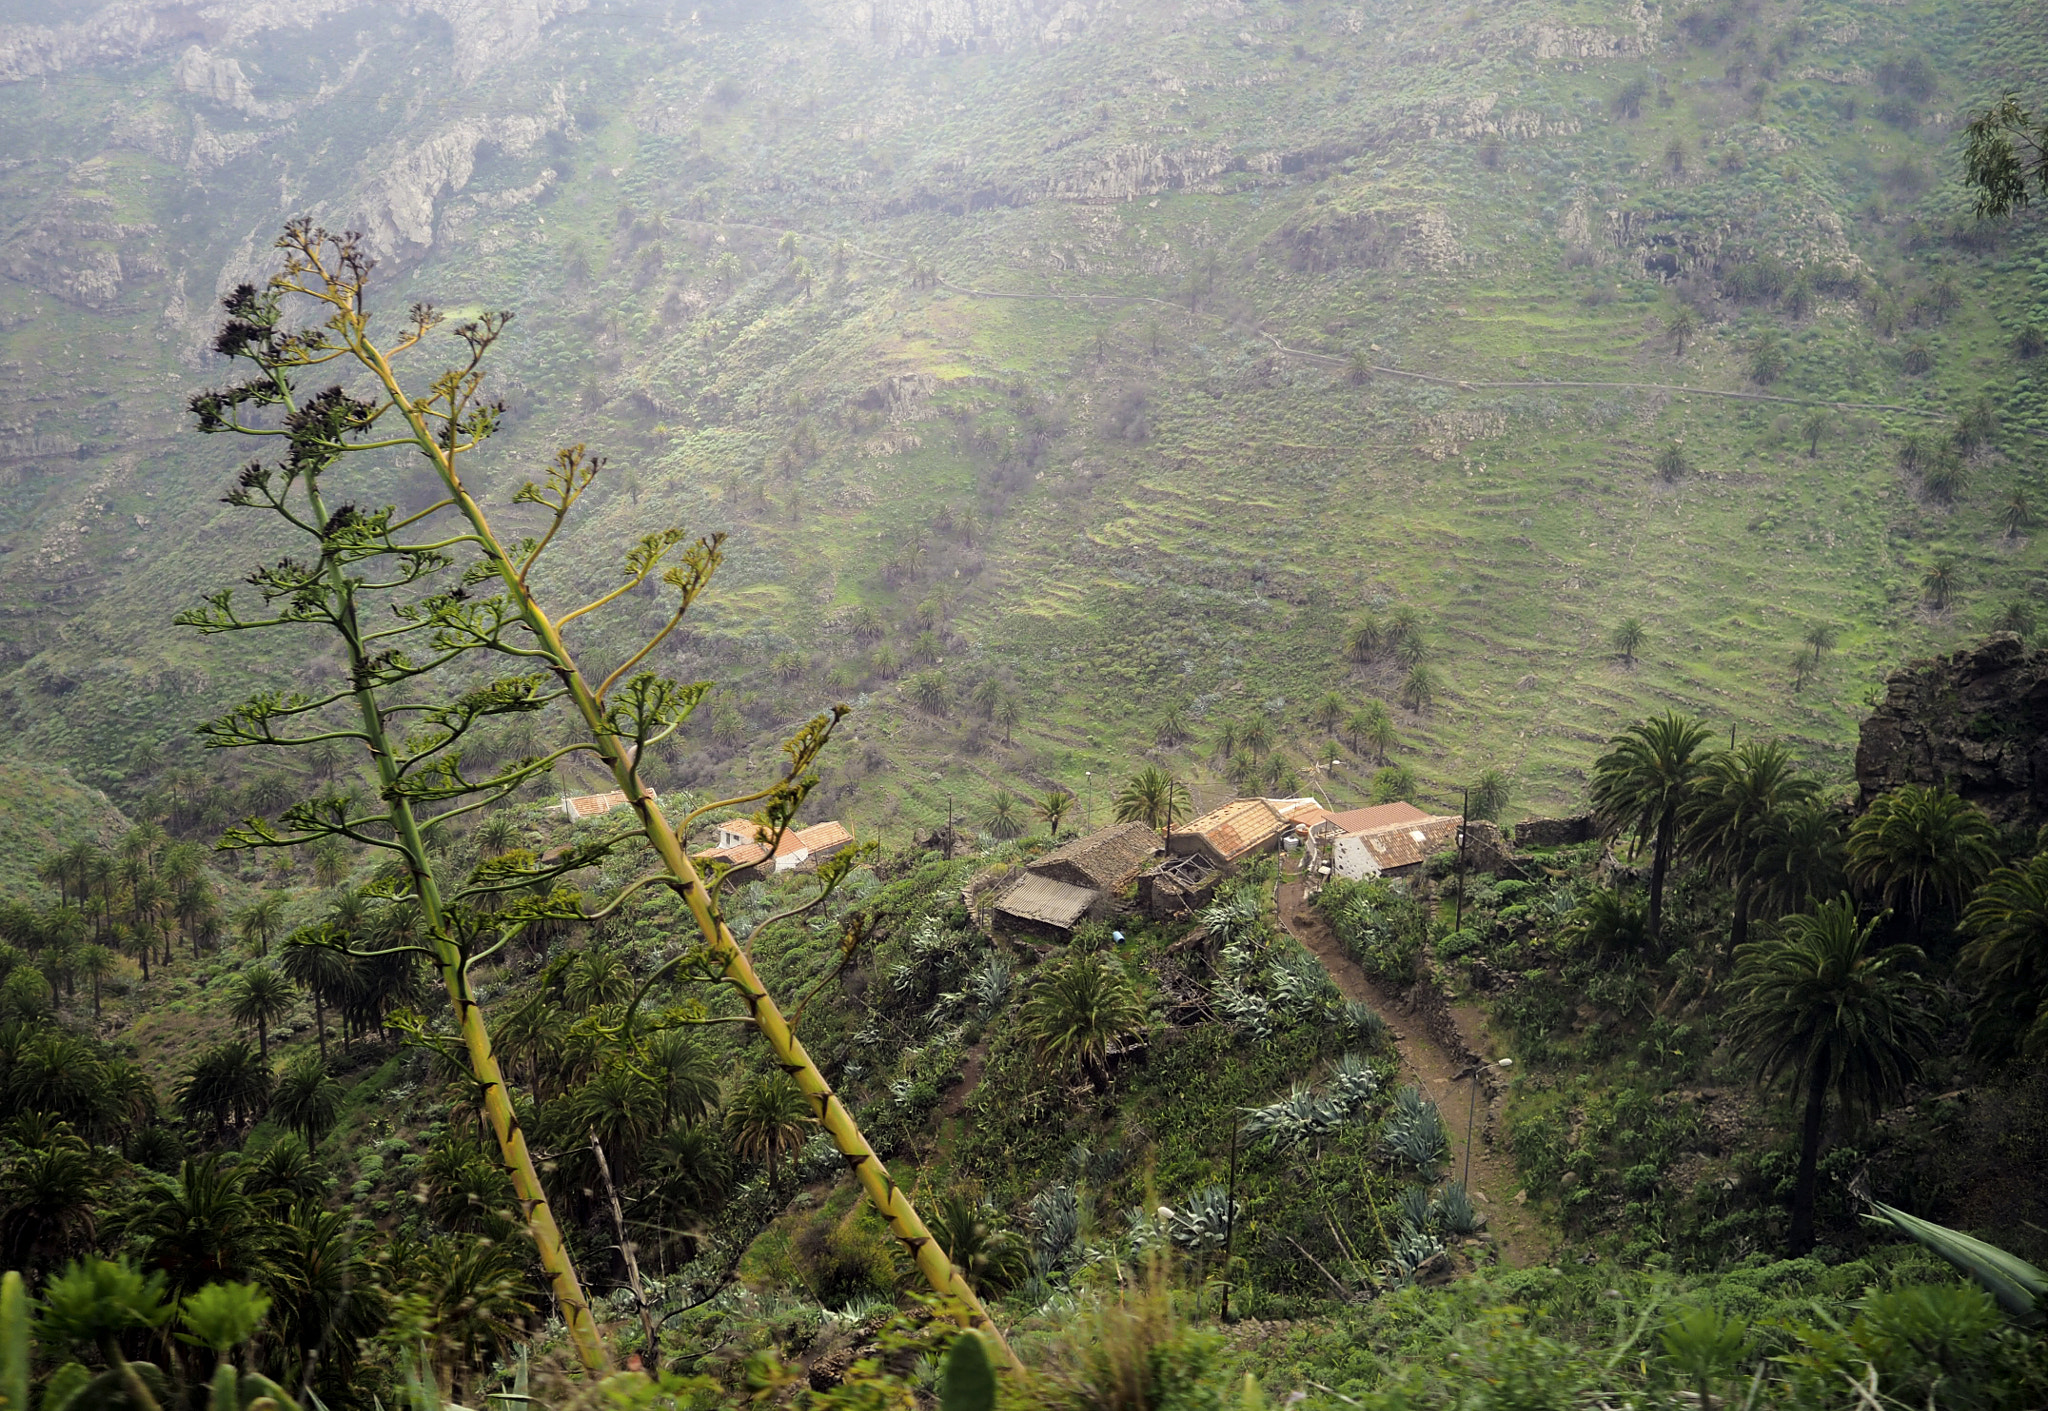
1433, 1068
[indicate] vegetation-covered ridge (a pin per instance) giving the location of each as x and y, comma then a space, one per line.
1024, 534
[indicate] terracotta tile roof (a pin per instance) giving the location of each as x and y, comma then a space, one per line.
816, 842
1106, 860
1041, 899
1408, 843
597, 805
1237, 828
745, 855
1364, 820
820, 837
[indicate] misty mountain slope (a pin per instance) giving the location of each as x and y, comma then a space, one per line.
1068, 362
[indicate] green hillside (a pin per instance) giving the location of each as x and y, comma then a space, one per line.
1135, 385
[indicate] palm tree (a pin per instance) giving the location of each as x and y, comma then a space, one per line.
1052, 807
2016, 513
1074, 1014
1152, 797
1737, 805
1329, 712
2008, 953
991, 1258
1488, 797
1672, 462
1918, 846
1818, 423
1226, 740
1820, 1004
309, 960
260, 997
1643, 784
2016, 616
1681, 326
258, 922
1372, 725
928, 692
1819, 639
1628, 639
1419, 689
1009, 715
1366, 640
229, 1083
767, 1119
1003, 821
1940, 582
1172, 729
1800, 858
307, 1100
95, 962
1256, 736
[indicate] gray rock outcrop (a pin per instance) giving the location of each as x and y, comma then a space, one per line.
1975, 721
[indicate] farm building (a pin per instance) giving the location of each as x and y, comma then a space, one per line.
1177, 886
1043, 909
1105, 861
1224, 836
741, 847
583, 806
1074, 881
1396, 849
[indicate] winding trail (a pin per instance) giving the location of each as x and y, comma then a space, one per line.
1435, 1069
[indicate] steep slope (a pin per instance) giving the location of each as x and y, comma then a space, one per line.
1132, 352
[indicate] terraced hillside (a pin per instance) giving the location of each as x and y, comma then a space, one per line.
1127, 356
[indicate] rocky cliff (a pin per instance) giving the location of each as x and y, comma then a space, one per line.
1975, 721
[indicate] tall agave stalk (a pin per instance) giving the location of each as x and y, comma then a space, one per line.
623, 712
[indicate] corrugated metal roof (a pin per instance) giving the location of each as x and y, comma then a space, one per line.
1238, 827
1036, 898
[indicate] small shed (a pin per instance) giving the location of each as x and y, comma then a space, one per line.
1177, 886
1395, 850
1042, 908
1235, 831
1104, 861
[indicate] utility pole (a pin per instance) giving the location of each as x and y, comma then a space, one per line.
1464, 808
1229, 1217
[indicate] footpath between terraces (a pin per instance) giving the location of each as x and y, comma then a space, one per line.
1433, 1056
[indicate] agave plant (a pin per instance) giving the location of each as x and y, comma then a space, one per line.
1352, 1083
1409, 1254
1231, 917
1302, 989
1246, 1010
1453, 1211
990, 982
1054, 1216
1414, 1133
1364, 1024
2020, 1288
1300, 1117
1411, 1208
1203, 1221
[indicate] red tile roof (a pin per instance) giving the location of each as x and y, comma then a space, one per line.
1237, 828
1364, 820
1407, 843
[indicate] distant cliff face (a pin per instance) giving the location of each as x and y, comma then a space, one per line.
1976, 721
